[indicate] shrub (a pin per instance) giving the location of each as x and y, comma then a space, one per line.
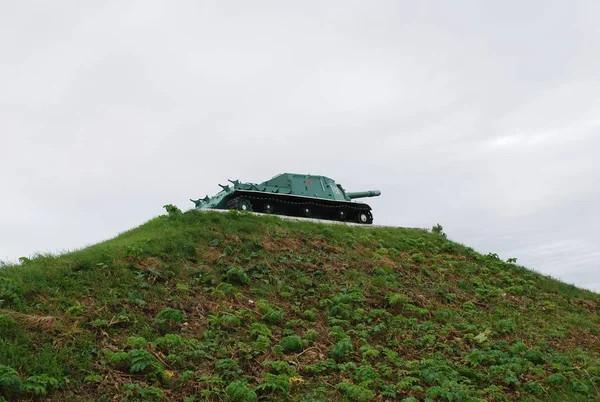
172, 211
438, 230
11, 295
9, 328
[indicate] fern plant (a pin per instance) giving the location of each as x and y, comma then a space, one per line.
135, 392
271, 314
236, 276
407, 382
275, 383
228, 369
292, 343
137, 342
239, 391
168, 317
143, 361
280, 367
40, 384
10, 382
340, 349
355, 392
119, 360
258, 328
172, 343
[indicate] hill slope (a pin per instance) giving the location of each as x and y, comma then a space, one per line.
209, 306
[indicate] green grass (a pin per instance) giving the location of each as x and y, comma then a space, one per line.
208, 306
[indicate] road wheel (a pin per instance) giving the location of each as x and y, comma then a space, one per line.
243, 204
365, 217
268, 207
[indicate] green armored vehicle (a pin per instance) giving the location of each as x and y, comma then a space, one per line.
293, 195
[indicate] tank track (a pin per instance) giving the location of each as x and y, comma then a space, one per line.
337, 211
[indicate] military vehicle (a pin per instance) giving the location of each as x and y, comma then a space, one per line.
293, 194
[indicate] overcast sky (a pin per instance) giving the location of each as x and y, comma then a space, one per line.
482, 116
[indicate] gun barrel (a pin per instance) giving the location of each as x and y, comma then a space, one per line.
362, 194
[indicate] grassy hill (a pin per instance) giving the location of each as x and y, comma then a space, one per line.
208, 306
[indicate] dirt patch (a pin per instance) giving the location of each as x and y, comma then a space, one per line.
320, 244
281, 244
150, 262
589, 305
211, 255
581, 338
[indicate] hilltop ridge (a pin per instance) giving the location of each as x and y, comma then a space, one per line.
233, 306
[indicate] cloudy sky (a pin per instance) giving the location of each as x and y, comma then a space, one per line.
482, 116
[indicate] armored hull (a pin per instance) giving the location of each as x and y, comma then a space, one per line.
293, 194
